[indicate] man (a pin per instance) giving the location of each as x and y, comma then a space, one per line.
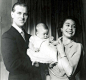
14, 46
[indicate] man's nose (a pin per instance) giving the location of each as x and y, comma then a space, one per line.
22, 15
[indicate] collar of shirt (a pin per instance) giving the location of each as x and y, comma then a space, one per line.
17, 28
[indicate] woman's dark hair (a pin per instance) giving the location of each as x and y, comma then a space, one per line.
77, 25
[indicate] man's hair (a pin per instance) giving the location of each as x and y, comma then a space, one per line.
20, 4
41, 25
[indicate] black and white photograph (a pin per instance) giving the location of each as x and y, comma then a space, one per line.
42, 39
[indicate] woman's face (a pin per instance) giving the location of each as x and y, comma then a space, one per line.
68, 29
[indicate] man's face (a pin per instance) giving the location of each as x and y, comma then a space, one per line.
19, 15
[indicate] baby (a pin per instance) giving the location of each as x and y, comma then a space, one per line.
40, 49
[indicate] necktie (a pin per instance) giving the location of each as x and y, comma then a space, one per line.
22, 33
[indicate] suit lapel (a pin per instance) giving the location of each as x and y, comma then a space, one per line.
17, 34
21, 44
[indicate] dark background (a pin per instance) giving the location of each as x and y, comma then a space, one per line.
49, 12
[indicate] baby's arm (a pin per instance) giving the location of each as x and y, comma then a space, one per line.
54, 43
31, 46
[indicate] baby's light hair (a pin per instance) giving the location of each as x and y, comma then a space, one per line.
40, 25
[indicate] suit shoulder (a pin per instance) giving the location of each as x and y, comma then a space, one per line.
79, 47
78, 44
7, 34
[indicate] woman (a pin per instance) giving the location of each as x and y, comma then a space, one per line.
69, 52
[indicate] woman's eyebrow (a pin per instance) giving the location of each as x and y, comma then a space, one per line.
67, 23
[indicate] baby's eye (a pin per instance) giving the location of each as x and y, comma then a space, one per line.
68, 25
45, 34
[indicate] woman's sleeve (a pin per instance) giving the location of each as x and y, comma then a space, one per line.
76, 58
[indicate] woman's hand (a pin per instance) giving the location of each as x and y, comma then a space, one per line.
60, 47
64, 60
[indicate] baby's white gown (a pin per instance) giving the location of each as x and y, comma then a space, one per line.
47, 53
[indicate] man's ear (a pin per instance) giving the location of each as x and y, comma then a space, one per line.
12, 14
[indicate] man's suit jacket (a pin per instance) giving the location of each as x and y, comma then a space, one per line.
15, 58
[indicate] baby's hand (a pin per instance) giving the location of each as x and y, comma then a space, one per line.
37, 50
54, 43
36, 64
51, 39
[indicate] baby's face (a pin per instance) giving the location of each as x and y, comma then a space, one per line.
43, 33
